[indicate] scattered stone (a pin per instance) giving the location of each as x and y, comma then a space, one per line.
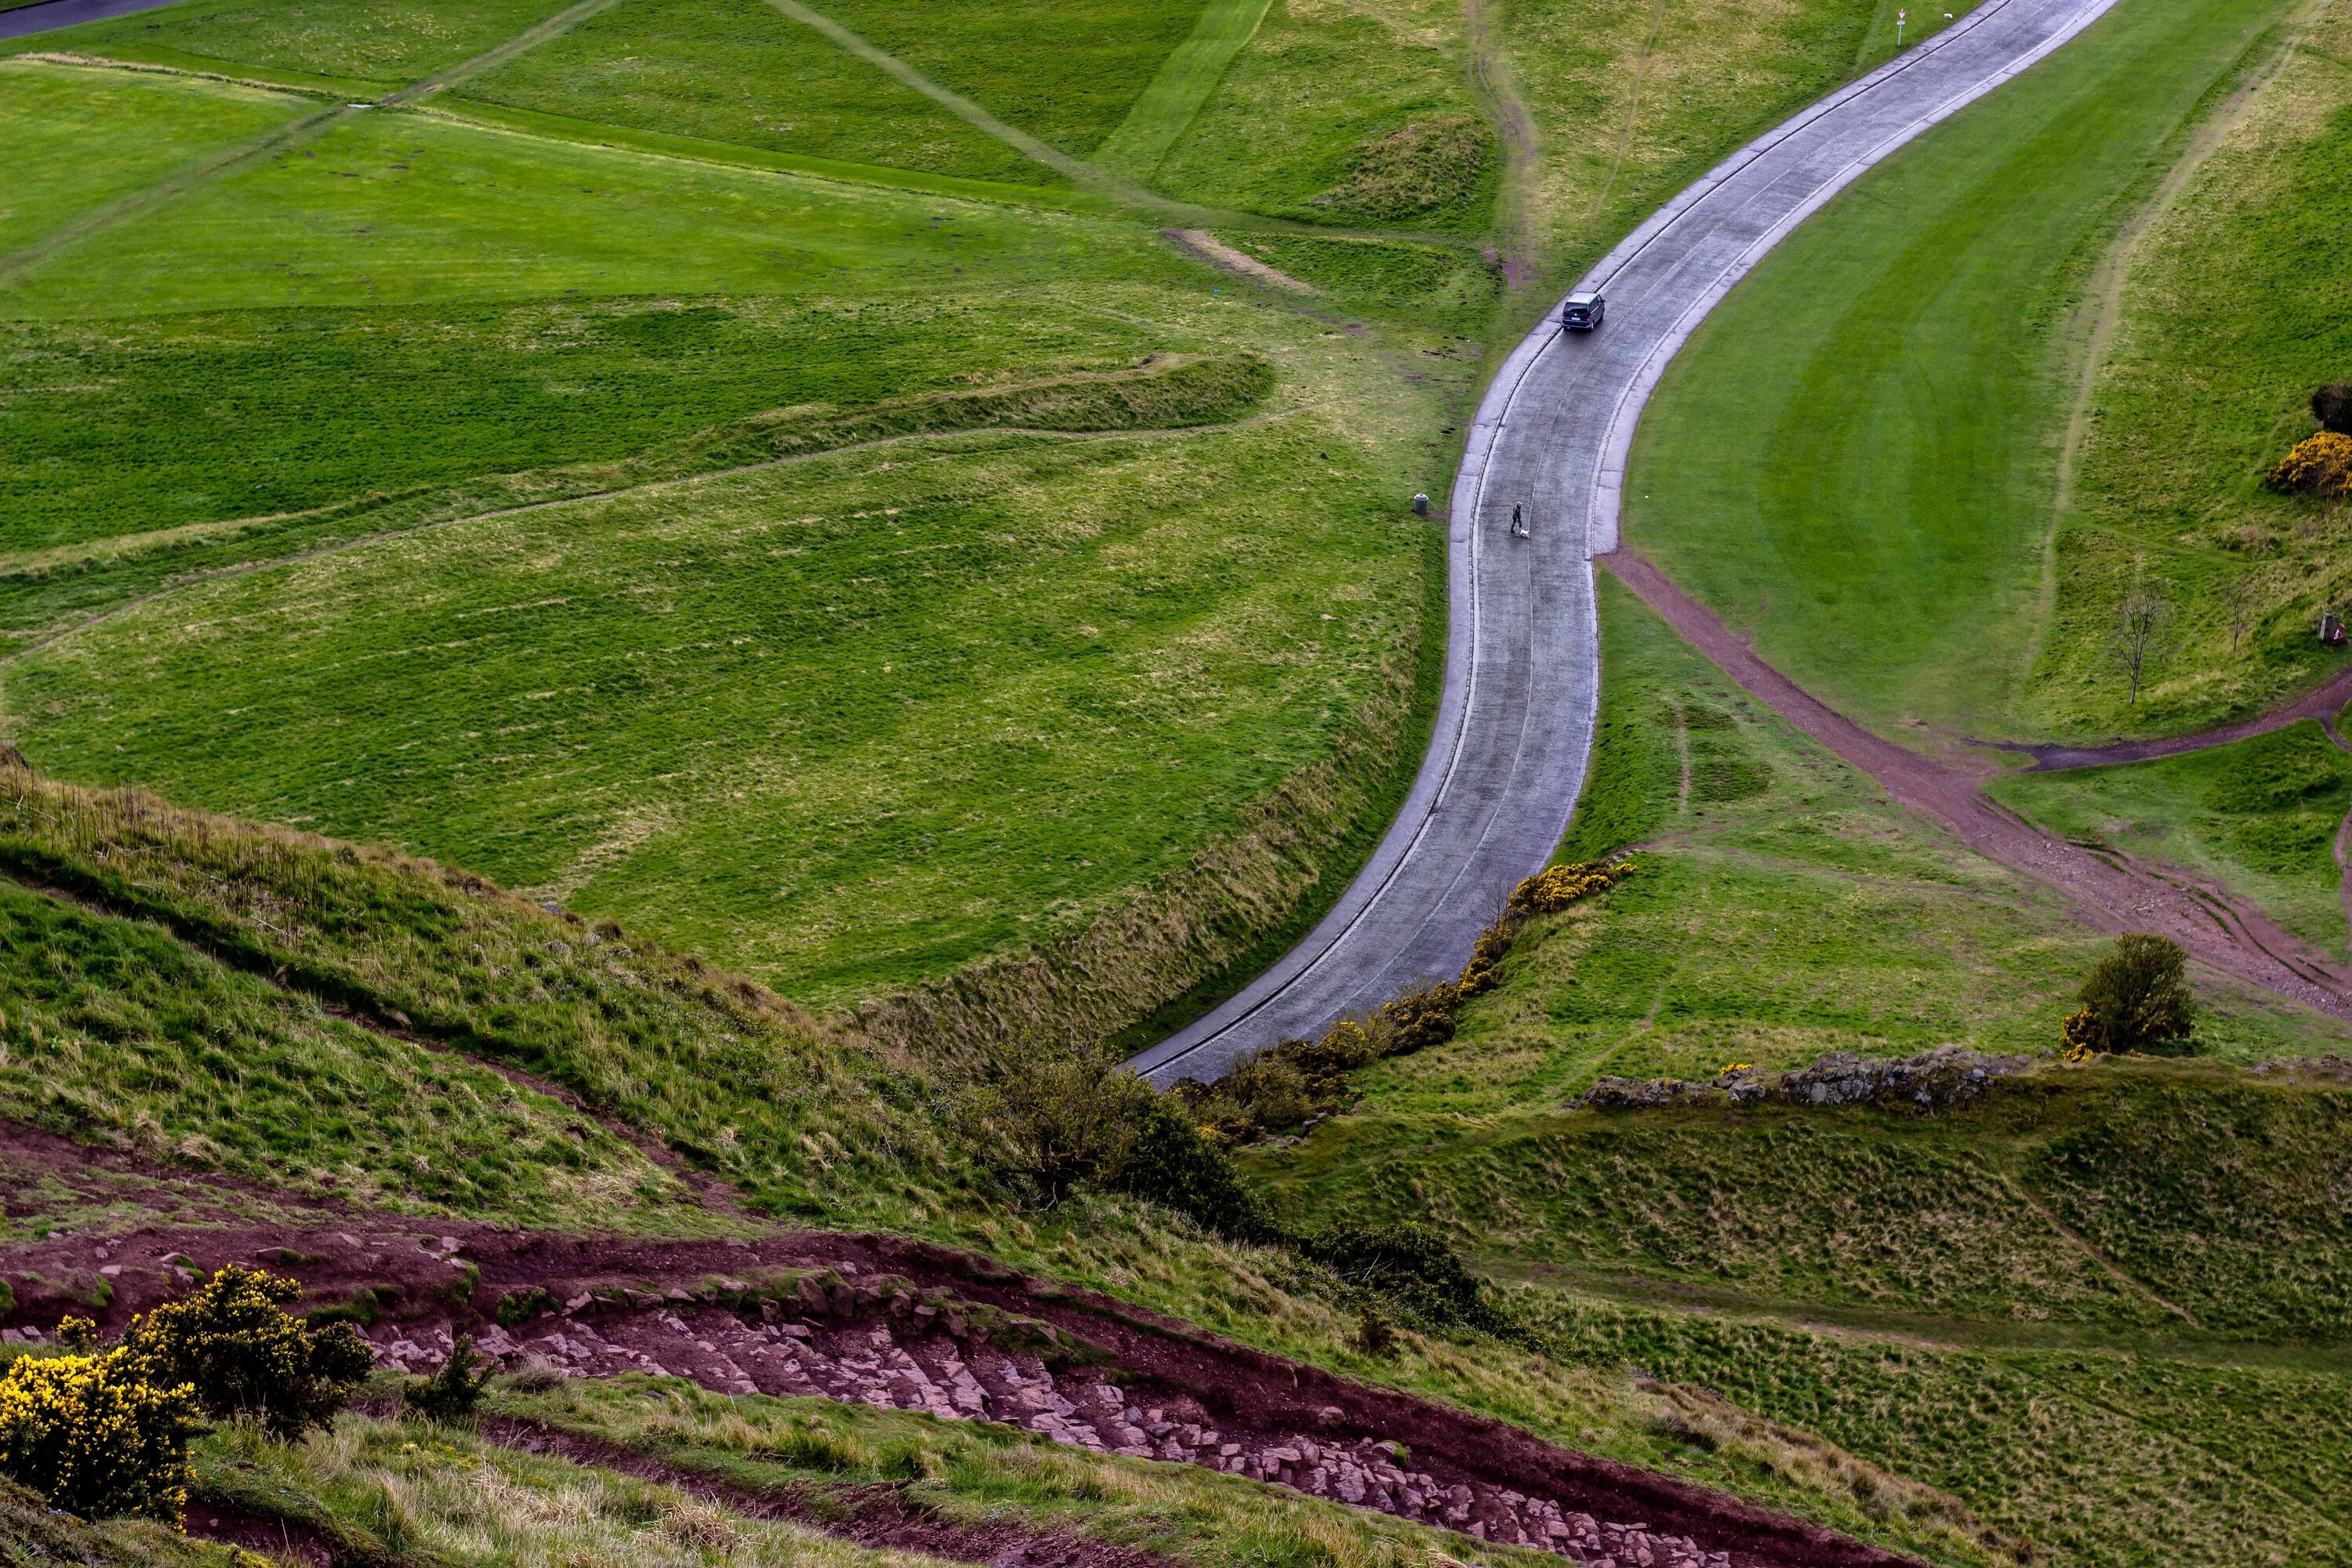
935, 1364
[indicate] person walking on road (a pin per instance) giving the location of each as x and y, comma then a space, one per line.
1519, 522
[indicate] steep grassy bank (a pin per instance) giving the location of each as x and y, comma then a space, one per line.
807, 1123
1856, 456
2122, 1200
2230, 314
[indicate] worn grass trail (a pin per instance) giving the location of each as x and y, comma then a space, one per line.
278, 141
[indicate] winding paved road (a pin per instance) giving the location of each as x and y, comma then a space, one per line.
1523, 658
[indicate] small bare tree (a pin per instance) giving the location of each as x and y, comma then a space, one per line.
2244, 599
2142, 638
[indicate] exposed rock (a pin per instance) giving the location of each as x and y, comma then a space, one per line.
1949, 1075
894, 1361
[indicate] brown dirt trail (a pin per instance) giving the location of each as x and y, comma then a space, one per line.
2111, 891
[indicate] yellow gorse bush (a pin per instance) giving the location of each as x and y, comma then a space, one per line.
92, 1436
2320, 465
1557, 886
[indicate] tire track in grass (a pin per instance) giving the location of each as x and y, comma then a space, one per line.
21, 263
15, 268
1077, 170
1633, 109
522, 43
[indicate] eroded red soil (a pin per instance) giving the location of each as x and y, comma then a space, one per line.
910, 1325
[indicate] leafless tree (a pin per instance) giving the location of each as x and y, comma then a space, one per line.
2142, 638
2244, 599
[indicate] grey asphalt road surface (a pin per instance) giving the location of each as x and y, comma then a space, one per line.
1523, 659
51, 15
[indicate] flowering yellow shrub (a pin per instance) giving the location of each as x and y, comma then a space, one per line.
91, 1435
2078, 1036
234, 1343
2320, 466
1557, 886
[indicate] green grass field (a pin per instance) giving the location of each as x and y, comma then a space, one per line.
740, 71
290, 387
2231, 315
1856, 456
79, 143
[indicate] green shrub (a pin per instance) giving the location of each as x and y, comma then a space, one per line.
452, 1393
94, 1437
1410, 1263
1051, 1119
1172, 1163
2136, 999
2332, 406
234, 1344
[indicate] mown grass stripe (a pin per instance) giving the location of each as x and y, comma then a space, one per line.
522, 43
1076, 169
1184, 81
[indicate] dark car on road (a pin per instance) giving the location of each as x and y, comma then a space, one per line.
1582, 313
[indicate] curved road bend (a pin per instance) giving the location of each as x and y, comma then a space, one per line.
1523, 658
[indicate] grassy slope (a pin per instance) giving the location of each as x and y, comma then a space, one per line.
2233, 312
807, 1123
1660, 93
1047, 538
741, 71
741, 1088
712, 726
388, 43
1856, 455
115, 1034
73, 145
136, 427
1783, 907
1995, 1302
1066, 71
404, 208
2259, 817
1318, 81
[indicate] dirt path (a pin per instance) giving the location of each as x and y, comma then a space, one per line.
1490, 75
907, 1324
2321, 704
2112, 891
1208, 247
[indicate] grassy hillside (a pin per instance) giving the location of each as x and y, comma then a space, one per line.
2100, 1307
805, 1123
1856, 456
2230, 315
